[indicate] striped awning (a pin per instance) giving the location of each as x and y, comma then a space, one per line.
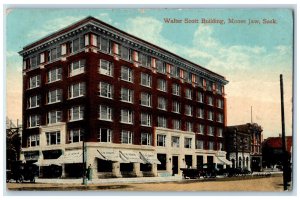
131, 157
108, 155
150, 158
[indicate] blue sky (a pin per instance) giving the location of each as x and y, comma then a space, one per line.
251, 57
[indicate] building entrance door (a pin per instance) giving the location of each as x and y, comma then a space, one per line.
174, 165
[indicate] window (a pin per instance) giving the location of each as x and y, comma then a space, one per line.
54, 75
33, 140
104, 135
63, 49
189, 77
76, 113
77, 90
105, 113
176, 106
209, 85
54, 96
210, 145
103, 44
210, 115
188, 93
220, 103
145, 119
77, 67
199, 144
34, 101
220, 117
106, 90
75, 45
211, 130
161, 140
188, 110
55, 53
145, 139
220, 146
200, 128
76, 135
199, 81
126, 95
126, 116
200, 113
126, 137
146, 99
200, 97
106, 67
189, 126
188, 143
33, 62
176, 124
162, 122
162, 103
146, 80
162, 85
160, 66
33, 121
125, 53
144, 60
53, 138
176, 89
126, 74
34, 81
174, 71
94, 39
219, 88
175, 141
54, 116
210, 100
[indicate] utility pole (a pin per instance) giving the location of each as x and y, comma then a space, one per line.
84, 181
284, 153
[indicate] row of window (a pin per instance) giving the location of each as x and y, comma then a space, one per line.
125, 53
105, 135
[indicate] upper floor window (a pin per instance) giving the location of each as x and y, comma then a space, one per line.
162, 85
54, 116
126, 116
103, 44
54, 75
126, 137
189, 77
126, 74
125, 53
200, 97
188, 110
33, 121
219, 88
188, 93
175, 141
188, 143
33, 62
144, 60
34, 81
127, 95
176, 107
209, 85
145, 79
161, 140
54, 96
146, 99
189, 126
200, 113
174, 71
104, 135
176, 89
75, 45
220, 103
53, 138
162, 103
209, 100
210, 115
220, 146
161, 67
55, 53
34, 101
77, 67
76, 113
105, 113
220, 117
211, 145
33, 140
145, 139
162, 122
76, 135
211, 130
106, 67
220, 132
145, 119
199, 144
106, 90
176, 124
77, 90
200, 128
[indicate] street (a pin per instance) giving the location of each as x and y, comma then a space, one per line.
265, 184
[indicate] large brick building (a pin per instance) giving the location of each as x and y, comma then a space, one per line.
141, 110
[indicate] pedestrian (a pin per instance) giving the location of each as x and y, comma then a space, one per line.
88, 172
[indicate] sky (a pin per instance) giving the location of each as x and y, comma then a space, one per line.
251, 57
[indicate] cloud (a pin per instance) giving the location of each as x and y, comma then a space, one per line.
11, 53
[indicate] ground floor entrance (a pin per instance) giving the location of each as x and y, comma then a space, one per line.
174, 165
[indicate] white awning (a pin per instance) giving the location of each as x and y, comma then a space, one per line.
109, 155
47, 162
73, 156
131, 156
224, 160
150, 158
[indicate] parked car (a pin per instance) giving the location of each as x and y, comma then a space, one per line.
21, 172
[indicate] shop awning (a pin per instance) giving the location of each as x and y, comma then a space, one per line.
74, 156
150, 158
47, 162
131, 157
109, 155
224, 160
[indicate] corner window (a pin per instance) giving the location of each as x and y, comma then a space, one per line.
105, 113
76, 113
146, 139
76, 135
106, 67
77, 67
106, 90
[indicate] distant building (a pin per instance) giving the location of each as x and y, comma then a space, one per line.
243, 146
272, 151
